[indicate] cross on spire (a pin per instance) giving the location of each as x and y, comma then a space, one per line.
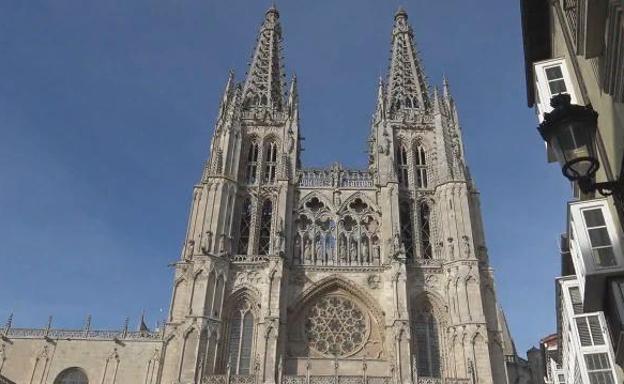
407, 85
264, 86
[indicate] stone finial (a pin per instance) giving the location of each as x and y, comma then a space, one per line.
400, 12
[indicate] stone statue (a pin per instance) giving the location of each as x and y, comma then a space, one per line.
342, 250
353, 252
279, 243
190, 250
307, 251
222, 243
376, 253
206, 242
318, 250
365, 254
396, 243
279, 237
297, 249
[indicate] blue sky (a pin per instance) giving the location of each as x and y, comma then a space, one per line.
107, 109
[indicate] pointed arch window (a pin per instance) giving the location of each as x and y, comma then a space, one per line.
252, 163
425, 330
270, 162
264, 240
240, 339
426, 250
402, 166
420, 164
405, 221
245, 227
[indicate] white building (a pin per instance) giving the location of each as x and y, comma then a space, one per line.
575, 48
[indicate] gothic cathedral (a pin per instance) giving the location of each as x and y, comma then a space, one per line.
314, 276
290, 272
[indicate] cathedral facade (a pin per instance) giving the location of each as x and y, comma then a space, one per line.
311, 276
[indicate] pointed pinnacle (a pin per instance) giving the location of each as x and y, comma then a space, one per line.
9, 322
400, 12
445, 84
273, 9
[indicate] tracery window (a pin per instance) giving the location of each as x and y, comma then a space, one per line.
405, 221
402, 166
348, 237
425, 231
245, 227
425, 332
336, 326
420, 164
270, 162
264, 239
240, 339
252, 163
72, 376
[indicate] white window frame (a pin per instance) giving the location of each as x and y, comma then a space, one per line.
543, 90
580, 244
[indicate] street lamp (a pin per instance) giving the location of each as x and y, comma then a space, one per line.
570, 131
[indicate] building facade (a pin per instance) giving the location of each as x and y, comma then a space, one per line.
576, 48
296, 275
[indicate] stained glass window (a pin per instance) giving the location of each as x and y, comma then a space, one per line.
425, 330
240, 341
335, 326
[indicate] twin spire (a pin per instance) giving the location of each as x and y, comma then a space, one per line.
264, 86
406, 87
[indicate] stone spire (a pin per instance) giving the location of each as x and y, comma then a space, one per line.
407, 85
264, 86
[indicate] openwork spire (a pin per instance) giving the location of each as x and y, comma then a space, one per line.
264, 86
407, 85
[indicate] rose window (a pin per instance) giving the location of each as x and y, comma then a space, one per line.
336, 326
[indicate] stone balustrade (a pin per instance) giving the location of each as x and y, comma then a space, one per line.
336, 177
35, 333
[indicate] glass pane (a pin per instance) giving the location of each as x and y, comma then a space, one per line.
597, 361
594, 218
554, 73
246, 343
604, 257
557, 86
234, 339
601, 377
599, 237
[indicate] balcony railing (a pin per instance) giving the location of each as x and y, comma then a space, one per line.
35, 333
326, 379
336, 177
299, 379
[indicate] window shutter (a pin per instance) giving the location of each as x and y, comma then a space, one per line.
596, 330
577, 302
583, 330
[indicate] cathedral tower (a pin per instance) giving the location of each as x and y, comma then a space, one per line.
299, 275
